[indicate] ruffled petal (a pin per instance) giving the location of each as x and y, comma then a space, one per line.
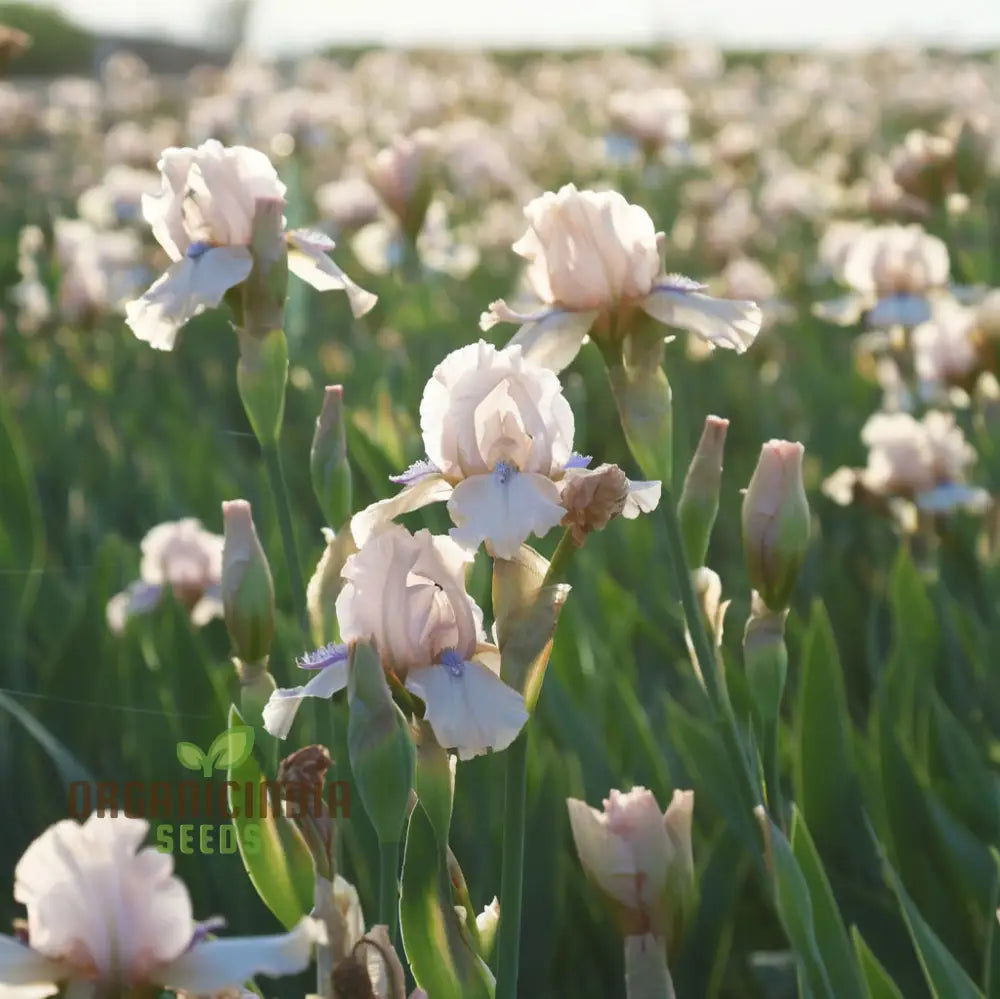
503, 508
139, 598
26, 974
500, 312
307, 259
283, 704
187, 288
723, 322
469, 708
603, 854
423, 492
221, 964
553, 340
643, 497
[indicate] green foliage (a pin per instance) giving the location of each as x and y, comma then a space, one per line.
273, 851
440, 954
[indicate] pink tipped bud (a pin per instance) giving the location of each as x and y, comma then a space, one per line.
403, 176
776, 522
699, 502
247, 589
639, 856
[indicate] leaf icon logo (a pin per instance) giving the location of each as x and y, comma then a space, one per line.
229, 749
191, 756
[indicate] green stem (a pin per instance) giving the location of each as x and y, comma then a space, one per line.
388, 886
704, 653
560, 559
276, 480
772, 772
512, 871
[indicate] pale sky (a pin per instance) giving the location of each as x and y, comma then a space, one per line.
294, 25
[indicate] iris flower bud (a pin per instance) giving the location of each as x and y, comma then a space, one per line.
776, 523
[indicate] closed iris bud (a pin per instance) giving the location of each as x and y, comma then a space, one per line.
699, 502
403, 174
328, 464
776, 523
247, 588
639, 857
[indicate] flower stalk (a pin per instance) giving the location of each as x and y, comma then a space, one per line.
512, 870
279, 492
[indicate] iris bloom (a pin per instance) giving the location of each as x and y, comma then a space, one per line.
203, 218
498, 434
406, 594
180, 556
105, 915
592, 252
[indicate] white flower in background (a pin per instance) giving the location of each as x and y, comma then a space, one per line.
117, 199
348, 204
498, 434
402, 174
98, 271
636, 854
745, 277
945, 347
652, 117
105, 916
894, 271
925, 461
406, 594
591, 252
180, 556
203, 218
381, 247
